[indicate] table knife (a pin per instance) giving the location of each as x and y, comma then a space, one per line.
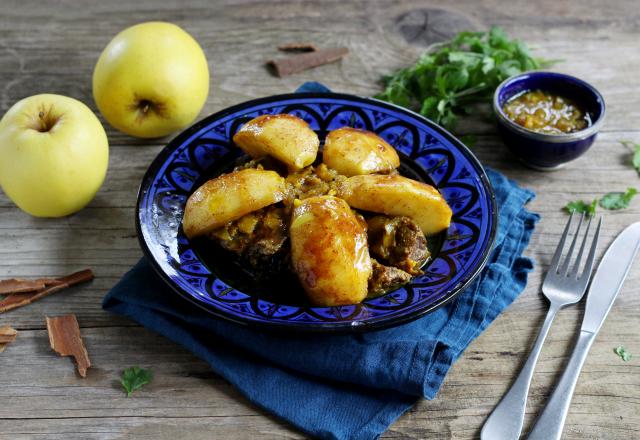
606, 284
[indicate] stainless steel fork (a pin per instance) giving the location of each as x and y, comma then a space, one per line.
561, 287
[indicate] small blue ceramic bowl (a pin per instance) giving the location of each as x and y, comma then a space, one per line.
548, 151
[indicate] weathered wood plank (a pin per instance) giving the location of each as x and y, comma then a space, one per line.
184, 387
249, 427
27, 66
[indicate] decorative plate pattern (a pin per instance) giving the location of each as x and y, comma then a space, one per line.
430, 153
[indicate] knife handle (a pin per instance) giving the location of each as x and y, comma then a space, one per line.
550, 423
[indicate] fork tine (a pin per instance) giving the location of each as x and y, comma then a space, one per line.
576, 266
553, 267
565, 265
588, 267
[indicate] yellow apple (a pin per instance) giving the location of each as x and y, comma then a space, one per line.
151, 79
53, 155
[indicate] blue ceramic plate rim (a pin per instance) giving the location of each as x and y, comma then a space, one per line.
545, 137
348, 325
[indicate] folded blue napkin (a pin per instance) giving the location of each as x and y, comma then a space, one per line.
344, 386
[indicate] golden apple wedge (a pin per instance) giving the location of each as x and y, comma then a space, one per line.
284, 137
352, 152
329, 251
229, 197
396, 195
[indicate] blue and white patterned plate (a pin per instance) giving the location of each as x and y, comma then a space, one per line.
428, 153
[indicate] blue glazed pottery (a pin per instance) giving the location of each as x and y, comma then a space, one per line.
548, 151
208, 278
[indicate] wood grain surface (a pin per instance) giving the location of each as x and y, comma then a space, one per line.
53, 46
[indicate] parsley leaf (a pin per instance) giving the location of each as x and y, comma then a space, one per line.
623, 353
452, 75
618, 200
635, 159
582, 207
134, 378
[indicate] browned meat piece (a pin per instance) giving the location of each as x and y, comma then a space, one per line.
385, 279
256, 236
398, 242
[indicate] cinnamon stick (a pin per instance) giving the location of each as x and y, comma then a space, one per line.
65, 339
297, 47
21, 285
304, 61
16, 300
7, 336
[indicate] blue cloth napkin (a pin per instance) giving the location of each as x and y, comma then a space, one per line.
348, 386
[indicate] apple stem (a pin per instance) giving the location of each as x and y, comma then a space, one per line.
43, 123
145, 108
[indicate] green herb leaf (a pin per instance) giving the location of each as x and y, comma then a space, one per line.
618, 200
635, 158
582, 207
451, 75
623, 353
134, 378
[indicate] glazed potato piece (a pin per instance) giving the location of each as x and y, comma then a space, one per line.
284, 137
229, 197
329, 252
395, 195
353, 152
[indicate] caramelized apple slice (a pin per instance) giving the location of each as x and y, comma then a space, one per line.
329, 251
351, 152
284, 137
229, 197
395, 195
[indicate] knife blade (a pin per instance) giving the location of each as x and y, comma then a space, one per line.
609, 276
604, 289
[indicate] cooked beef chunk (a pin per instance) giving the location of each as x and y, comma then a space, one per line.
398, 242
385, 278
256, 237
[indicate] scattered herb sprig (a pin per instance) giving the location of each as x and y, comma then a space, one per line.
451, 76
611, 201
623, 353
618, 200
134, 378
582, 207
635, 151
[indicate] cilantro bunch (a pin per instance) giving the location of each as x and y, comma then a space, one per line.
451, 76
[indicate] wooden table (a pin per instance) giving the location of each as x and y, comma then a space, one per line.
47, 47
